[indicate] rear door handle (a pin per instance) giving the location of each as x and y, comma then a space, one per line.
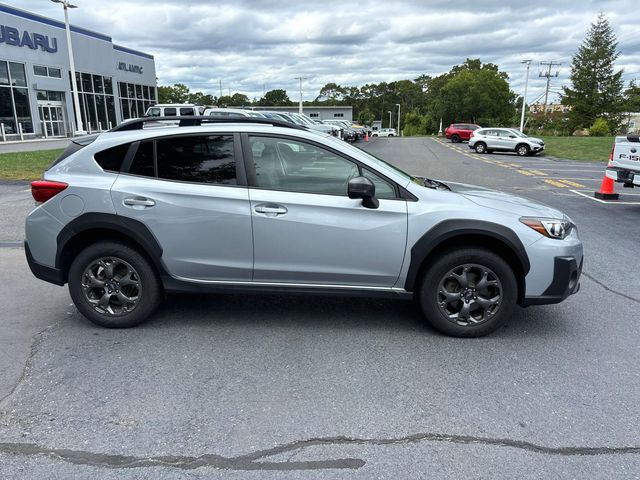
270, 209
138, 202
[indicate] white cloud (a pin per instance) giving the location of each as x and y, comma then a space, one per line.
251, 45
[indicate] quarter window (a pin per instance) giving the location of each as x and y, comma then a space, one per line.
202, 159
111, 159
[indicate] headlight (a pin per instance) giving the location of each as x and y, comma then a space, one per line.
550, 227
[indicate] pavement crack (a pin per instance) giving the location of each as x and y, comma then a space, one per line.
33, 350
608, 289
256, 460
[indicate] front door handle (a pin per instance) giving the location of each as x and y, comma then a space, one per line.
138, 202
270, 209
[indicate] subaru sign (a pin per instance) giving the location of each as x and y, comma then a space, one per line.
24, 38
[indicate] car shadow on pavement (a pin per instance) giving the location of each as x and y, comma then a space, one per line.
329, 313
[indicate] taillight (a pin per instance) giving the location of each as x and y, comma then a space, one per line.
43, 190
611, 156
471, 134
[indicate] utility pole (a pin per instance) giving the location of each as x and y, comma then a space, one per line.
524, 97
548, 75
398, 105
389, 118
300, 103
220, 88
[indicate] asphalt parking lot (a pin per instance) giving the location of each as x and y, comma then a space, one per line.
294, 387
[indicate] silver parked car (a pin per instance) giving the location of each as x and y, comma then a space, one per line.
487, 140
259, 205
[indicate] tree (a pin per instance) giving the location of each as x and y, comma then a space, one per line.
235, 100
276, 97
596, 89
471, 92
199, 98
632, 97
179, 93
365, 117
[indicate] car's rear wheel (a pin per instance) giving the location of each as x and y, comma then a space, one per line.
522, 150
113, 285
481, 147
468, 292
455, 138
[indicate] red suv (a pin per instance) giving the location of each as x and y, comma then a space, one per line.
460, 131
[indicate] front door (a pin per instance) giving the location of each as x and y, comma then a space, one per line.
52, 122
305, 228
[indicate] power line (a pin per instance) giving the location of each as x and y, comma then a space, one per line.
548, 75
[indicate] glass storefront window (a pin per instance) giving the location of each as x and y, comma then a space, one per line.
97, 84
6, 110
18, 76
108, 85
138, 91
111, 111
40, 71
86, 83
4, 74
55, 72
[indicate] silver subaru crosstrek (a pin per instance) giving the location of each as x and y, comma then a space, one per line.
258, 205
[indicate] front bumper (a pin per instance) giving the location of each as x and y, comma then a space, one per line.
537, 148
566, 281
48, 274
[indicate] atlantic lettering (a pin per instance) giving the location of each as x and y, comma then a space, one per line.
13, 36
129, 67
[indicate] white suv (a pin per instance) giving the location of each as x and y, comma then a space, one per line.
487, 140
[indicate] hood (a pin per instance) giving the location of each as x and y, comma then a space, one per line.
504, 202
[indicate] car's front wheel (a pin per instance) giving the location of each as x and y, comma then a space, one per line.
522, 150
480, 147
455, 138
113, 285
468, 292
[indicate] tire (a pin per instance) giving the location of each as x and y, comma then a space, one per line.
391, 135
455, 139
441, 295
522, 150
481, 147
120, 275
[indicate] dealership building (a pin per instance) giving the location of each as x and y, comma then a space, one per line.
114, 82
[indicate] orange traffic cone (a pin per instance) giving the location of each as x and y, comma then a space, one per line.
366, 135
607, 192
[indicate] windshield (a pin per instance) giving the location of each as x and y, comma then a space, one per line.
517, 133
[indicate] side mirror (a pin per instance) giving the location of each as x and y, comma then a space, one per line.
362, 187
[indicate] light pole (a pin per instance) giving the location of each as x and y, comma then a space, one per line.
389, 118
300, 103
76, 102
524, 97
398, 105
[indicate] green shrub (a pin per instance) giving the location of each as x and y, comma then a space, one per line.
600, 128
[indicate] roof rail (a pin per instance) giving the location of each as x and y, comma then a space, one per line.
195, 120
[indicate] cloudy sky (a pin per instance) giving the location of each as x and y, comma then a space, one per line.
256, 45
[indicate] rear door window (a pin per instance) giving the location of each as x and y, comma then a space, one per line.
142, 163
170, 112
197, 158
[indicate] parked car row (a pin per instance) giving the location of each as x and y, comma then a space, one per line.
343, 129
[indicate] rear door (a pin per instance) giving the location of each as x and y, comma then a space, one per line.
306, 229
191, 193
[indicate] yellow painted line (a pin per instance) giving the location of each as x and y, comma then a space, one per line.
517, 165
537, 172
525, 172
555, 183
572, 184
